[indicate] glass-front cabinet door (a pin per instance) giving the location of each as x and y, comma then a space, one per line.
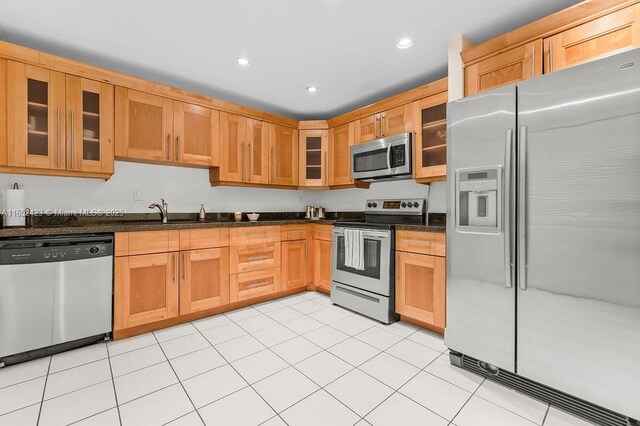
35, 122
431, 139
89, 125
313, 151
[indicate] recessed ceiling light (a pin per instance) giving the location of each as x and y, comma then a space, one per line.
404, 43
312, 89
243, 61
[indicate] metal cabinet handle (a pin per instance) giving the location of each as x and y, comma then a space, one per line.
242, 159
254, 258
305, 250
175, 268
522, 194
169, 154
184, 266
58, 139
250, 161
254, 285
420, 242
382, 117
550, 56
177, 147
73, 141
508, 264
273, 164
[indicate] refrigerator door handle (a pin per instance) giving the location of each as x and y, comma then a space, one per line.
507, 209
522, 205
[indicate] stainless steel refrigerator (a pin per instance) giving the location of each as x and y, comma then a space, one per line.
543, 236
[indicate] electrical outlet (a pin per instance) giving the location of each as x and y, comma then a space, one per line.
137, 195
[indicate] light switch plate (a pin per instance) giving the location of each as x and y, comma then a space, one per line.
137, 195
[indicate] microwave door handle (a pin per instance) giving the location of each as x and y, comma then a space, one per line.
389, 158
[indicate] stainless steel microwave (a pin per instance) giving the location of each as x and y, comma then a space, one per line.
382, 159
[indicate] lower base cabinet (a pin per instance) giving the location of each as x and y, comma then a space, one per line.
421, 287
146, 289
248, 285
322, 251
204, 279
294, 264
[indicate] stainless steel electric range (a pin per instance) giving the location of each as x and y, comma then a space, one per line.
369, 288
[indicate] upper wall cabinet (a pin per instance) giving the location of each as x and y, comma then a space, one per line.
313, 161
283, 144
232, 147
387, 123
430, 147
157, 129
341, 139
603, 36
196, 134
257, 159
58, 123
517, 64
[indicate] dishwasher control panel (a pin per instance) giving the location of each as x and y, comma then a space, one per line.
56, 249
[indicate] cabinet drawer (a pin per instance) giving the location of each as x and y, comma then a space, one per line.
322, 232
421, 242
146, 242
254, 234
294, 232
193, 239
254, 257
248, 285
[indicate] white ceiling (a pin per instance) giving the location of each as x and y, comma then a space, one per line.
345, 47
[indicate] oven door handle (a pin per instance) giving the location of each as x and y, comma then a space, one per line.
368, 234
389, 158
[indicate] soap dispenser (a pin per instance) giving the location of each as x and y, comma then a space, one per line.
202, 216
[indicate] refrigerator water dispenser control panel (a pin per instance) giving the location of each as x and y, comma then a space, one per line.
479, 200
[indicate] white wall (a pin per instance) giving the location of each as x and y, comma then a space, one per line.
186, 188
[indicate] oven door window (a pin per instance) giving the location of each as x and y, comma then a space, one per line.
372, 251
370, 161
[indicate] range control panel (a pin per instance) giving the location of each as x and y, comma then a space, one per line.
398, 206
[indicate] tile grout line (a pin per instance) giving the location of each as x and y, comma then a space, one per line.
178, 379
44, 389
113, 382
241, 376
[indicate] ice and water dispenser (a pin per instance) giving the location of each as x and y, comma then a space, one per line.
479, 199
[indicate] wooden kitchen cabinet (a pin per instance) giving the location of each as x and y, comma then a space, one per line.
248, 285
517, 64
58, 122
257, 158
421, 287
294, 264
283, 143
430, 146
90, 125
313, 162
232, 147
322, 256
144, 126
146, 289
384, 124
600, 37
341, 139
197, 135
247, 257
204, 279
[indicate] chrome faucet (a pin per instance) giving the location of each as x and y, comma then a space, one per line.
163, 209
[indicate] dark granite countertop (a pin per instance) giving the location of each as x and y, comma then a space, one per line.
146, 222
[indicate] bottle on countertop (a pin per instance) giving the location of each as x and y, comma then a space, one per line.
202, 216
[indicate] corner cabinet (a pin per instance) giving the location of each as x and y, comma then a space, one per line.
421, 278
152, 128
283, 144
341, 139
58, 124
313, 162
430, 145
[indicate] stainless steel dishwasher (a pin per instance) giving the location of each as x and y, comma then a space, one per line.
56, 293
